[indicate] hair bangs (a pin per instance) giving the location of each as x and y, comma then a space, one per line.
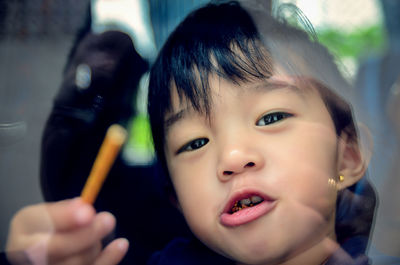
237, 62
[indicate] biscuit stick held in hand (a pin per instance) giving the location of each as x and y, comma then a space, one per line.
114, 139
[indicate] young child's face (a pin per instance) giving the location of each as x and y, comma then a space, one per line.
273, 147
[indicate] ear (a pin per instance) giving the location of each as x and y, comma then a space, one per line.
352, 159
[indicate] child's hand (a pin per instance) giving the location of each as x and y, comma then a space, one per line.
65, 232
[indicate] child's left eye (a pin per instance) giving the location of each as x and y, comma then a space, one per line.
271, 118
193, 145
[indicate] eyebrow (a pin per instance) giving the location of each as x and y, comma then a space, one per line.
275, 84
271, 85
279, 84
174, 118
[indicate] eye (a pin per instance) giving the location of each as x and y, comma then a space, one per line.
271, 118
193, 145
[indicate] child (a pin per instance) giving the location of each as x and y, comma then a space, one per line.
257, 145
258, 149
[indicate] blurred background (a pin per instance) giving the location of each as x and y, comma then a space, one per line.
35, 38
37, 35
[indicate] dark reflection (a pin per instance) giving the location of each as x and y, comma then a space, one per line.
34, 42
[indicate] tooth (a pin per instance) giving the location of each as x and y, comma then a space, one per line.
245, 201
256, 199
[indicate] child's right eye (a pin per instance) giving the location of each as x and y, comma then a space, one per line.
273, 117
193, 145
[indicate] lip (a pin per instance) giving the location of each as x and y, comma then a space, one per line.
246, 215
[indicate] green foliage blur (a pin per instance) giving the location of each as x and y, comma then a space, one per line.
354, 44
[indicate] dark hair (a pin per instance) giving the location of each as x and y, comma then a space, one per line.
223, 39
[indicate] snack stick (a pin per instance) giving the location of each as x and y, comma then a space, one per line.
115, 137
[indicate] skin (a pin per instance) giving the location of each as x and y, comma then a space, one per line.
65, 232
290, 160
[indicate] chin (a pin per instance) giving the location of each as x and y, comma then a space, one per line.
257, 260
256, 255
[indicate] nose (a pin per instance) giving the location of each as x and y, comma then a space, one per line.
238, 160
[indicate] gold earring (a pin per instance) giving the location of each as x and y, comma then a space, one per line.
341, 178
332, 182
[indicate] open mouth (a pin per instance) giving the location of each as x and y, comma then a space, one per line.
246, 207
246, 203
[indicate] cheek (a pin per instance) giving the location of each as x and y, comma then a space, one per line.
310, 147
305, 164
198, 192
301, 176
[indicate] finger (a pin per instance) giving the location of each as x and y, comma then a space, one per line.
70, 243
55, 216
88, 256
50, 217
70, 214
113, 253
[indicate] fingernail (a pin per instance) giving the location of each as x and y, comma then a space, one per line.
108, 221
76, 200
82, 215
123, 244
